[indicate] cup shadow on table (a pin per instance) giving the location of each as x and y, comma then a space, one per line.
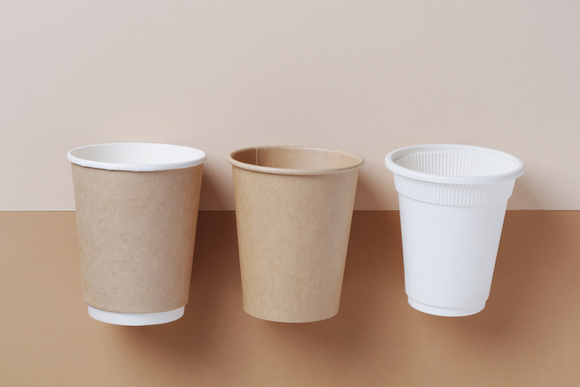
215, 325
374, 320
529, 282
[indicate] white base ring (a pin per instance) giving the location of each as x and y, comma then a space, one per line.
446, 312
135, 319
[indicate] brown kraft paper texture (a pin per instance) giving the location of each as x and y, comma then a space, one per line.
136, 235
293, 234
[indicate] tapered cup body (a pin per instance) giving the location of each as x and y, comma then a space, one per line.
452, 201
293, 209
136, 207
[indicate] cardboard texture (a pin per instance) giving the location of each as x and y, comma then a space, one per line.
137, 234
526, 336
293, 222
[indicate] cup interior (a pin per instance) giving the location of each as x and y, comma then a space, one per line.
454, 162
295, 159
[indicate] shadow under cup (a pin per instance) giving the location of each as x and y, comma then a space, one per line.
136, 207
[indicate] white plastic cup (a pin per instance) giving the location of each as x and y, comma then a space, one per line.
136, 207
452, 201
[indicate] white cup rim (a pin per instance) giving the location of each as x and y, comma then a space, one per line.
147, 156
515, 172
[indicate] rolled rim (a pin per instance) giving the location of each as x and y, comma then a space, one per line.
512, 174
136, 157
358, 161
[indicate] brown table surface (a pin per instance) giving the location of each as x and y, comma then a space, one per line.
528, 334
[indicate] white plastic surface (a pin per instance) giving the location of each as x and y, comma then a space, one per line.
446, 312
136, 157
135, 319
449, 254
454, 164
452, 202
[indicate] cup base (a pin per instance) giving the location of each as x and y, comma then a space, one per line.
135, 319
446, 312
286, 319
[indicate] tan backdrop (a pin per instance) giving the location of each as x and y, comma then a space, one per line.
367, 77
526, 336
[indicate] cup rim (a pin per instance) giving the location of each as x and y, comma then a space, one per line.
293, 171
192, 157
390, 163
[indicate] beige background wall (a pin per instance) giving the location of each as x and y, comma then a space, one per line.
364, 76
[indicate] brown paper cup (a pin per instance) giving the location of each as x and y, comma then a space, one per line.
293, 211
136, 207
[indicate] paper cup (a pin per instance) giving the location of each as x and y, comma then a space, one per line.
136, 208
452, 201
293, 211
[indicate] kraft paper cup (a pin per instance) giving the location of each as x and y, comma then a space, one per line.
293, 211
452, 201
136, 208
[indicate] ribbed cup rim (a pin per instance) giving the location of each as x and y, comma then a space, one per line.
291, 171
150, 157
392, 157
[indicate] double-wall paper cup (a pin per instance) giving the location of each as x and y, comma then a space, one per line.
293, 210
136, 208
452, 201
